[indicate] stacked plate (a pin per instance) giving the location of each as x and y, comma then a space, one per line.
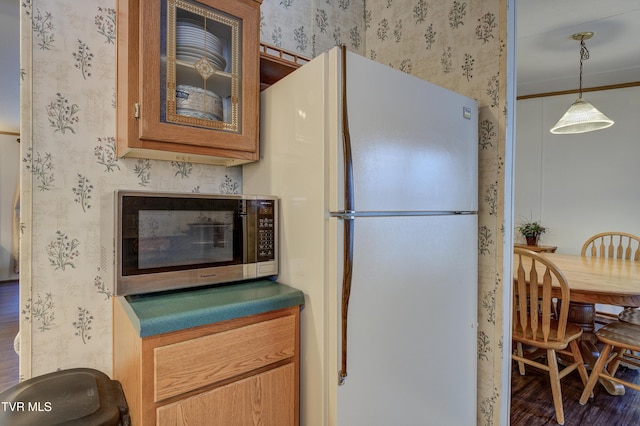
193, 43
197, 102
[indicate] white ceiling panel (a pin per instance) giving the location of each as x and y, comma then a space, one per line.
548, 59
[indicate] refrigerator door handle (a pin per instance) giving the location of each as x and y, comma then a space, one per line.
347, 270
346, 139
348, 220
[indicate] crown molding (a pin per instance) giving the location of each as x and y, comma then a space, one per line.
568, 92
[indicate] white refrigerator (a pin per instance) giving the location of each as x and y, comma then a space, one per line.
378, 227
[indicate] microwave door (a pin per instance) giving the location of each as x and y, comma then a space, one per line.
168, 241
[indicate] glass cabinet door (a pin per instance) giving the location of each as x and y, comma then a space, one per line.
201, 84
189, 80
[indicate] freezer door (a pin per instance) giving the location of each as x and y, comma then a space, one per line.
412, 323
414, 144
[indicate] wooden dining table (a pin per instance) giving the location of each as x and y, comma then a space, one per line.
600, 280
595, 280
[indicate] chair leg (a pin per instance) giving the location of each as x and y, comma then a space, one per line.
613, 366
577, 357
520, 354
595, 373
556, 391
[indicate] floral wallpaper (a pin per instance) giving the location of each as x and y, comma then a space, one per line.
69, 163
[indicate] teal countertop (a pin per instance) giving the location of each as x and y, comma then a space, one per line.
158, 313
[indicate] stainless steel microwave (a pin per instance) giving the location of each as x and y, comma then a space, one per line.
154, 241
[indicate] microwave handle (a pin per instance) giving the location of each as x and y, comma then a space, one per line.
245, 238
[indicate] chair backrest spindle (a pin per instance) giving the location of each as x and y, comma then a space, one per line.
536, 299
613, 245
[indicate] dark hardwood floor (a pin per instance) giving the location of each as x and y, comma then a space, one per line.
9, 317
532, 403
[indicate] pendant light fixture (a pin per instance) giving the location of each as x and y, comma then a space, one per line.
581, 116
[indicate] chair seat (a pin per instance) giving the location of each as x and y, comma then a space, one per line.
572, 332
621, 335
630, 315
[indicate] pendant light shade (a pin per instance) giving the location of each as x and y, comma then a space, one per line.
581, 116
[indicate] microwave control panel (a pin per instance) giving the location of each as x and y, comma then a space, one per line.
266, 230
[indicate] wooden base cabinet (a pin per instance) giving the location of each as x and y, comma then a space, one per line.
266, 399
241, 372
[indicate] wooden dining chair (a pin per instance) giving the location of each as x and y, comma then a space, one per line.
621, 341
617, 245
540, 322
630, 315
611, 245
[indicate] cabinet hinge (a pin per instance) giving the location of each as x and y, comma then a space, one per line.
136, 110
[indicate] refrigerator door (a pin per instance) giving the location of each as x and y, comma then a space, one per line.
412, 334
414, 144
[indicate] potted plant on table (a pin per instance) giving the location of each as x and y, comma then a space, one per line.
531, 231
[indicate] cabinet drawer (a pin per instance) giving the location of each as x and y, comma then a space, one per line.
189, 365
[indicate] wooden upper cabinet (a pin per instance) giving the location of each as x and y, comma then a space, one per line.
276, 63
188, 80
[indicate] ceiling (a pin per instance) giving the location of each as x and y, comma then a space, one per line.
547, 57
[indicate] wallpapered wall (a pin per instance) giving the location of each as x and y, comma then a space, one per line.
68, 162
